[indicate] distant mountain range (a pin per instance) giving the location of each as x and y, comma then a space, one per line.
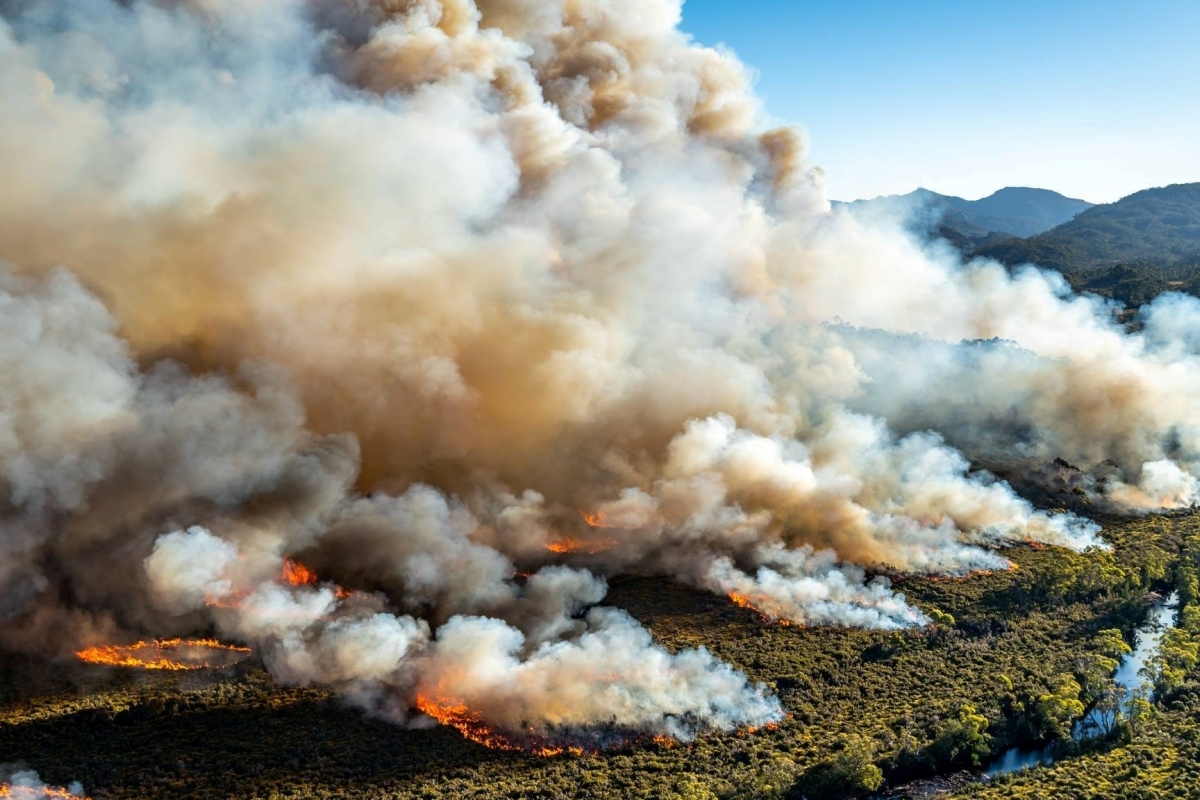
1014, 211
1131, 250
1155, 226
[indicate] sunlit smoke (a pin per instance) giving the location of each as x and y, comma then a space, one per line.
324, 319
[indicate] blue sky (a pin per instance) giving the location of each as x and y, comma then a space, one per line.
1093, 98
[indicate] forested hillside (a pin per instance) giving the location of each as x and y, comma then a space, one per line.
1156, 229
1012, 211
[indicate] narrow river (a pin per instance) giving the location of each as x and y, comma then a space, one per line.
1163, 615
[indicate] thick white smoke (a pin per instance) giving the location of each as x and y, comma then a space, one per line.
543, 683
402, 288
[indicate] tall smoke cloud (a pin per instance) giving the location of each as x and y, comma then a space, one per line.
404, 289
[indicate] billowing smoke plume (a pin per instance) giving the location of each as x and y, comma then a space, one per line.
467, 305
537, 679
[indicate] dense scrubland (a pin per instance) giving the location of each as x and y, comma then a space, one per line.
1155, 750
1159, 227
1013, 657
1130, 251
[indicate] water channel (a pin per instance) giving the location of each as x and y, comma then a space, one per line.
1163, 615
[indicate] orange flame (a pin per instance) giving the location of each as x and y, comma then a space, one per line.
600, 520
742, 600
25, 793
456, 715
293, 574
745, 601
750, 730
296, 574
588, 546
163, 654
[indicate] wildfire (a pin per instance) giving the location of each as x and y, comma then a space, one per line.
175, 655
744, 601
296, 574
750, 730
456, 715
293, 574
26, 793
588, 546
600, 520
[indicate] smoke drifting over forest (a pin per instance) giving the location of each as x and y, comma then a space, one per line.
403, 290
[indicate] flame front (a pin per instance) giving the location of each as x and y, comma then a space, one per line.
750, 730
457, 715
588, 546
26, 793
159, 654
292, 574
745, 601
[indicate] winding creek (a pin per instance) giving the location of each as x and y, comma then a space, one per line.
1163, 615
1148, 638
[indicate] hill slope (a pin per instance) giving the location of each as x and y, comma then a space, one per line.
1022, 211
1156, 227
1016, 211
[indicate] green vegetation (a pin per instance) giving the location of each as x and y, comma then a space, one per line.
1155, 748
1158, 227
1130, 251
1135, 285
1012, 658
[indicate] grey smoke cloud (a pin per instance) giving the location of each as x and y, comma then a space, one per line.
401, 289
